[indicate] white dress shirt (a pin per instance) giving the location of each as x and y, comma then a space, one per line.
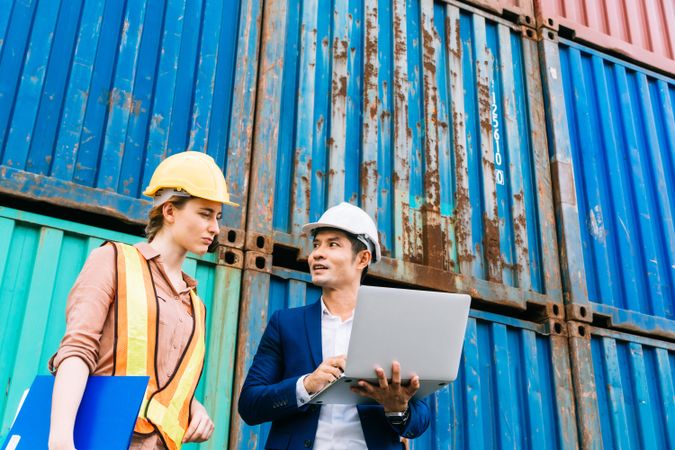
339, 425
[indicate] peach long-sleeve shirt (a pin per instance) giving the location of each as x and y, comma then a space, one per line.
90, 323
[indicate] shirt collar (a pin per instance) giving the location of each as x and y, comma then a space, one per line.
326, 313
150, 253
147, 250
324, 309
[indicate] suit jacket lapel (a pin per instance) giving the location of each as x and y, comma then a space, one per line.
313, 327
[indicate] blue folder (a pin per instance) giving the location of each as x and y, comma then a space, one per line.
105, 419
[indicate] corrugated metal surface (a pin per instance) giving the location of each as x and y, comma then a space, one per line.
613, 151
40, 258
427, 115
94, 94
625, 388
514, 388
639, 29
521, 11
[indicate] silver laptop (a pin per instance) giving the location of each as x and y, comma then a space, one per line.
422, 330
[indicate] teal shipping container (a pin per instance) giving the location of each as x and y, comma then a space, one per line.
40, 258
94, 94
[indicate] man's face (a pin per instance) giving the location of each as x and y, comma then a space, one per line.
332, 262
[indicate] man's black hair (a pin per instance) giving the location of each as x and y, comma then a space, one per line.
357, 245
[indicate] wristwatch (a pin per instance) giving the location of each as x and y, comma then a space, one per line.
398, 418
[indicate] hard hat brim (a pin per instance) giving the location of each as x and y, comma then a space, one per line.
151, 193
308, 228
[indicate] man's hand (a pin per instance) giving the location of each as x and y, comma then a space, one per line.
330, 369
393, 397
201, 425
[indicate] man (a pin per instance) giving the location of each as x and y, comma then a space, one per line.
303, 349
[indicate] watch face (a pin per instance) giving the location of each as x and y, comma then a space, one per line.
396, 420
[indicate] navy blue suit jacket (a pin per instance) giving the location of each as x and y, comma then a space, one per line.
290, 348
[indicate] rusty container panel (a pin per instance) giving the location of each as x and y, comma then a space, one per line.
641, 30
520, 11
514, 388
427, 114
94, 94
612, 136
625, 388
40, 258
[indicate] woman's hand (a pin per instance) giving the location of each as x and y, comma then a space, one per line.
201, 425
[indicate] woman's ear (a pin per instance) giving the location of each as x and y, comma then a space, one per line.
169, 212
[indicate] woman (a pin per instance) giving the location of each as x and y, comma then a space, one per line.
130, 301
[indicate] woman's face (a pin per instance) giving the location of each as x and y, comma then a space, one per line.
195, 225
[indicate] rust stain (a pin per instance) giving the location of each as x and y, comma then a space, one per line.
520, 224
433, 238
462, 199
125, 100
411, 235
457, 51
483, 91
400, 42
340, 48
491, 246
433, 242
370, 70
368, 176
340, 87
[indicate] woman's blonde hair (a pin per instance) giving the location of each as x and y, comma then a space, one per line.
156, 216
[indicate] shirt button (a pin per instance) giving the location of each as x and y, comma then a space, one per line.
308, 443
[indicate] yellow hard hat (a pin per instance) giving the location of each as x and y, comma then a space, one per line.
193, 172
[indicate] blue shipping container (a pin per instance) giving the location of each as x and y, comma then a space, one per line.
428, 115
514, 388
625, 389
612, 149
94, 94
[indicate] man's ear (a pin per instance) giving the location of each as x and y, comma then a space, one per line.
364, 258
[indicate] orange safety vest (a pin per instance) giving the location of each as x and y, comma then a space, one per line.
166, 409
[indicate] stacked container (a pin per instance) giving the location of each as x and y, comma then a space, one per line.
430, 116
608, 70
518, 151
93, 95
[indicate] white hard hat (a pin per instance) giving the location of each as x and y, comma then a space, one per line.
353, 220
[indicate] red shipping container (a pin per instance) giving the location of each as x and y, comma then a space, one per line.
637, 29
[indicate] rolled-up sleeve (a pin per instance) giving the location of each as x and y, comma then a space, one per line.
88, 306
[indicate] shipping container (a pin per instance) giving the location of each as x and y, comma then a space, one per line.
514, 388
641, 30
519, 11
40, 258
94, 94
625, 389
612, 147
428, 115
